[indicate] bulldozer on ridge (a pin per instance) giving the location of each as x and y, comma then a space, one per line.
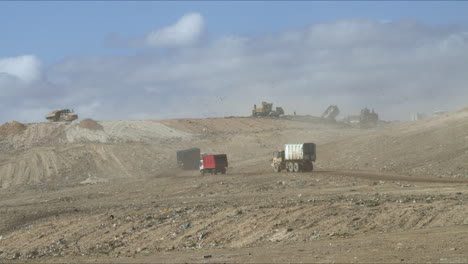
61, 115
368, 119
267, 110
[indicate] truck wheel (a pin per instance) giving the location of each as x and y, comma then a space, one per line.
202, 172
223, 171
311, 167
296, 167
213, 171
290, 167
277, 167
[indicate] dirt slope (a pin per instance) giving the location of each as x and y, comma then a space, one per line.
438, 146
73, 164
68, 153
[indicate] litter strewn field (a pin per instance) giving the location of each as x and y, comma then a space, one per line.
110, 191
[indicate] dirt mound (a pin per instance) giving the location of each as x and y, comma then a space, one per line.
71, 164
12, 128
20, 136
90, 124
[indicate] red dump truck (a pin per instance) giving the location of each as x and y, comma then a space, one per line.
213, 164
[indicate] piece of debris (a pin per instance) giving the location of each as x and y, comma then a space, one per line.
94, 180
207, 256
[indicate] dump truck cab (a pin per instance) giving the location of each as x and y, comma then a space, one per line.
278, 158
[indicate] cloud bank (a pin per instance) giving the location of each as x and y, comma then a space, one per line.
26, 68
397, 68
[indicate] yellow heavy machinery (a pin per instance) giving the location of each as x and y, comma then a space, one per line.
267, 110
61, 115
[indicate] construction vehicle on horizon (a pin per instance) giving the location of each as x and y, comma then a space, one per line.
267, 110
368, 118
331, 112
61, 115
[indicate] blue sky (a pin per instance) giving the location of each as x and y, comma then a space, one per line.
55, 30
150, 59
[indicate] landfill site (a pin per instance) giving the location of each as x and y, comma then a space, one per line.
84, 190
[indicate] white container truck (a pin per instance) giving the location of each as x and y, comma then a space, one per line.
295, 158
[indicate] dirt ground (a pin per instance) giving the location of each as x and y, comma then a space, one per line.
392, 194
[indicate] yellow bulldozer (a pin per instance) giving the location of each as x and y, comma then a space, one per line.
61, 115
267, 110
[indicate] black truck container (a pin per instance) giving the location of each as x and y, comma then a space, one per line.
189, 159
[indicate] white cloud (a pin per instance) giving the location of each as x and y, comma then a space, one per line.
26, 68
185, 31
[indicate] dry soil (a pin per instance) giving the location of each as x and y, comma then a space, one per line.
110, 191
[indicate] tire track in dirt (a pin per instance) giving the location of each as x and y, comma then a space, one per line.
371, 175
